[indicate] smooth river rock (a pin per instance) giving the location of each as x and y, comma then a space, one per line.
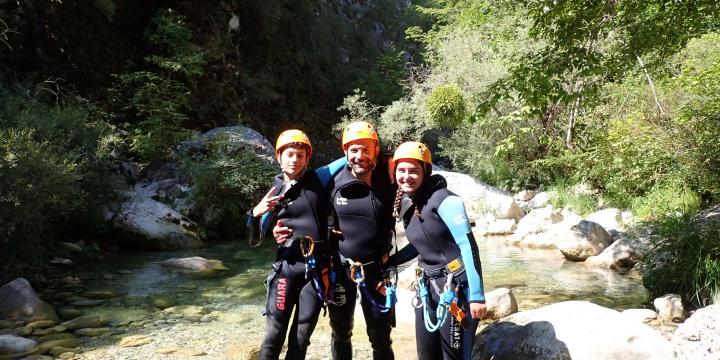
19, 301
699, 336
12, 344
570, 330
87, 321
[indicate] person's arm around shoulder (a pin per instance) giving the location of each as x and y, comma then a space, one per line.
327, 172
452, 212
407, 253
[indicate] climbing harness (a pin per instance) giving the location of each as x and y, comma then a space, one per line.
387, 286
447, 304
324, 282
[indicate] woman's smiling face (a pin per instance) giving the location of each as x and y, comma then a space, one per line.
409, 175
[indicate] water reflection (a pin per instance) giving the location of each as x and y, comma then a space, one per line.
539, 277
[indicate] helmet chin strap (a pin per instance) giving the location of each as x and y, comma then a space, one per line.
299, 175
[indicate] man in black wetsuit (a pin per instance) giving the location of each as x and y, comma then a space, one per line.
361, 196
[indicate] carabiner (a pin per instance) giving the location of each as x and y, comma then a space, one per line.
354, 274
304, 249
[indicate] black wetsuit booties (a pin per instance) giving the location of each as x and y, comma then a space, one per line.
364, 216
445, 244
303, 209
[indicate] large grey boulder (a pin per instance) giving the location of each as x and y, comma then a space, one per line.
500, 303
570, 330
609, 219
623, 253
540, 200
535, 222
491, 226
699, 336
524, 195
19, 301
640, 315
146, 216
152, 225
234, 139
480, 198
670, 308
583, 240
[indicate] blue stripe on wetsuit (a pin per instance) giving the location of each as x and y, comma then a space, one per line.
452, 212
327, 172
324, 173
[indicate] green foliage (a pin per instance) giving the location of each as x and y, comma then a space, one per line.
446, 105
382, 83
671, 198
225, 185
588, 44
53, 177
107, 7
403, 120
5, 30
160, 105
685, 260
504, 150
564, 194
171, 37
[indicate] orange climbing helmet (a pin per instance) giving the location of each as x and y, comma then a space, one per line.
292, 137
359, 130
412, 150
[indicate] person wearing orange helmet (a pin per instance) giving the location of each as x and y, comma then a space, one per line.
450, 298
300, 276
361, 197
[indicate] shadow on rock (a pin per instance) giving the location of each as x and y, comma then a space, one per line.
509, 341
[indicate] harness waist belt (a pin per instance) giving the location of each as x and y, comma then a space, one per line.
455, 267
291, 241
346, 260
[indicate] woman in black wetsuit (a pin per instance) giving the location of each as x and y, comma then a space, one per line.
450, 296
298, 199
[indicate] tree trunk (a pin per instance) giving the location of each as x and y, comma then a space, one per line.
571, 124
652, 85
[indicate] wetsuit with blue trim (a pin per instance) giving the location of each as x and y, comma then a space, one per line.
363, 214
303, 208
438, 230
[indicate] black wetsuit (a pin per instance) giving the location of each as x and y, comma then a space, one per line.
442, 238
364, 216
304, 209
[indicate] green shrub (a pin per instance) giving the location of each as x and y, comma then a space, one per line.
54, 178
685, 260
501, 150
171, 37
160, 107
671, 198
226, 185
564, 194
446, 105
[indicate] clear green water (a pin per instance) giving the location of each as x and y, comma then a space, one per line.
537, 277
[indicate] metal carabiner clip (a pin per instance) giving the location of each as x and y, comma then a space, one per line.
353, 272
307, 250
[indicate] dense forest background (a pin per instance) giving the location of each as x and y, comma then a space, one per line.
620, 97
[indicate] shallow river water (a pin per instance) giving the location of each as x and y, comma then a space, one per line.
220, 317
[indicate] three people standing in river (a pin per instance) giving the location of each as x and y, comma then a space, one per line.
360, 194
